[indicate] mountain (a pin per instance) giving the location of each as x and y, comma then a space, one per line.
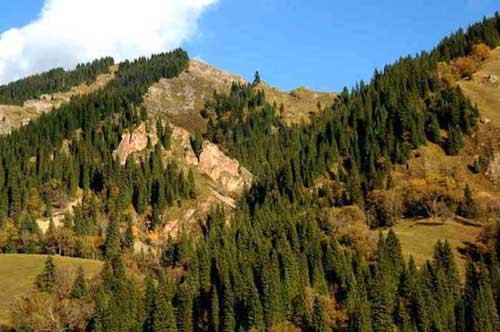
223, 205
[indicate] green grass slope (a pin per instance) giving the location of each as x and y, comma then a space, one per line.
419, 237
18, 273
484, 88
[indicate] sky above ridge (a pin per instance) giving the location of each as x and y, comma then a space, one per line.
321, 44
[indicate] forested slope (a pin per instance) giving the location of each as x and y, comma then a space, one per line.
55, 80
281, 260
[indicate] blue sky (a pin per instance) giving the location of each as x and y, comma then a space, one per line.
321, 44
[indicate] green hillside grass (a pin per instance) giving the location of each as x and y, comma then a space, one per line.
18, 273
418, 238
484, 88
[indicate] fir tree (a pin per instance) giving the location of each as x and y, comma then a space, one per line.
256, 79
164, 315
46, 281
468, 208
318, 321
455, 141
112, 243
197, 143
434, 130
80, 288
129, 238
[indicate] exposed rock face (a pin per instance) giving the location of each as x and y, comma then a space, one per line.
12, 117
493, 171
181, 146
223, 170
135, 141
227, 174
45, 104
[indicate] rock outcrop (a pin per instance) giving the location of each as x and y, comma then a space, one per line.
181, 146
493, 170
227, 173
135, 141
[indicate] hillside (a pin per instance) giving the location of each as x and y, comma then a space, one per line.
300, 104
484, 88
224, 206
219, 179
431, 167
18, 273
182, 98
13, 116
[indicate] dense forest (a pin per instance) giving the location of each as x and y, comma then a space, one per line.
276, 265
55, 80
38, 174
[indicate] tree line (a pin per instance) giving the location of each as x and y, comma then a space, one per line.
55, 80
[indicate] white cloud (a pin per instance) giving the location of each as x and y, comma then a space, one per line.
68, 32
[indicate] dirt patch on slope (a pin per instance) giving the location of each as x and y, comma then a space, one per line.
182, 98
300, 104
58, 215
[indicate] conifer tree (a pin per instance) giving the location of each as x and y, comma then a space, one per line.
382, 303
318, 321
46, 280
129, 238
112, 242
150, 297
214, 310
468, 208
455, 140
434, 130
256, 79
358, 307
197, 143
185, 308
164, 315
80, 288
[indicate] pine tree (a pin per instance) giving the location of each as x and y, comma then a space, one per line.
214, 310
149, 303
480, 310
80, 288
164, 315
197, 143
455, 140
434, 130
46, 281
468, 208
129, 235
358, 307
112, 242
382, 303
255, 315
318, 321
256, 79
185, 308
